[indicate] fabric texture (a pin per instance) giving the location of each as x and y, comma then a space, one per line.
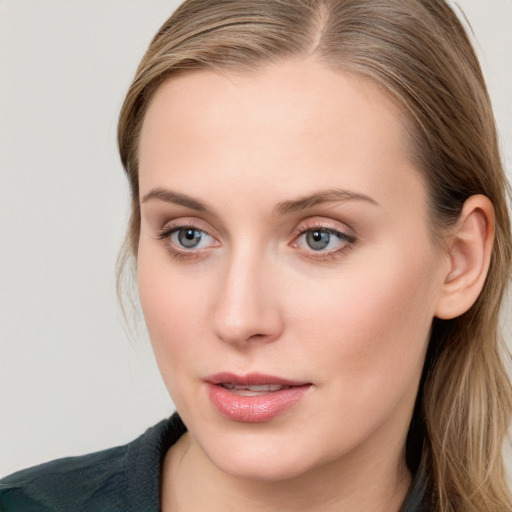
121, 479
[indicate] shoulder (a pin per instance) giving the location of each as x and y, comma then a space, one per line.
123, 478
57, 485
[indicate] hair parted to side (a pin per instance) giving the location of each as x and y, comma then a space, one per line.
418, 51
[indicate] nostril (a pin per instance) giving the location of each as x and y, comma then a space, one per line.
258, 329
259, 337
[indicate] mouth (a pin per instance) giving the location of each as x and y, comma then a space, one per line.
254, 397
263, 389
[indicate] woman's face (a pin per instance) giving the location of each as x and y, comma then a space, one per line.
286, 267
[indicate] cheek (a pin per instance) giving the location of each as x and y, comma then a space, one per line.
170, 302
368, 329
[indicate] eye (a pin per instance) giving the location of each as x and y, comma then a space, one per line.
322, 241
186, 240
318, 240
189, 238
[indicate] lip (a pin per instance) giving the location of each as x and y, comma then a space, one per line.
254, 409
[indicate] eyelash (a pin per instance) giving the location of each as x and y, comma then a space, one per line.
165, 236
349, 241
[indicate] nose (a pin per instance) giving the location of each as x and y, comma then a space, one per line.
247, 308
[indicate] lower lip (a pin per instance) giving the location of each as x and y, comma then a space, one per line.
254, 409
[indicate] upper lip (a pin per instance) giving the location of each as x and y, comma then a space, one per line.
252, 379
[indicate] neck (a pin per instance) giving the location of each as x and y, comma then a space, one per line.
191, 482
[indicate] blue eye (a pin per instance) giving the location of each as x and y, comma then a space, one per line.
318, 240
324, 240
184, 240
188, 237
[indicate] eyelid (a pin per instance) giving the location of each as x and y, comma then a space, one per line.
323, 224
169, 228
188, 223
343, 232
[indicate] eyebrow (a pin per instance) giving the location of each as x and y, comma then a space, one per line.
323, 196
169, 196
283, 208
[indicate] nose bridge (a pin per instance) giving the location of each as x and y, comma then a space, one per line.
246, 308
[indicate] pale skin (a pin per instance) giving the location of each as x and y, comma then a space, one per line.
233, 157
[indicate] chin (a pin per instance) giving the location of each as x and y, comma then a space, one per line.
263, 467
262, 456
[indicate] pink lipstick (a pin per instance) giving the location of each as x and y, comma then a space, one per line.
255, 397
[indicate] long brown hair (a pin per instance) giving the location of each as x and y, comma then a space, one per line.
418, 51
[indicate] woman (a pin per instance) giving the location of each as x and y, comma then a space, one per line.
322, 243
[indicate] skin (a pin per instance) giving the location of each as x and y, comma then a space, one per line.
352, 319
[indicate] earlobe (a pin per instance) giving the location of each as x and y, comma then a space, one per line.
469, 252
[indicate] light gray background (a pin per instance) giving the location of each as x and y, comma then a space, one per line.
70, 381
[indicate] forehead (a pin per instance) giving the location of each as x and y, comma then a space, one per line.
298, 90
296, 122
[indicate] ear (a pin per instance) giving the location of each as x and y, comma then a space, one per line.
468, 252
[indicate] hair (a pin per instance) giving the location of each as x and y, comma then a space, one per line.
419, 53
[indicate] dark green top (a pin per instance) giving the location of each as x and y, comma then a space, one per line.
121, 479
